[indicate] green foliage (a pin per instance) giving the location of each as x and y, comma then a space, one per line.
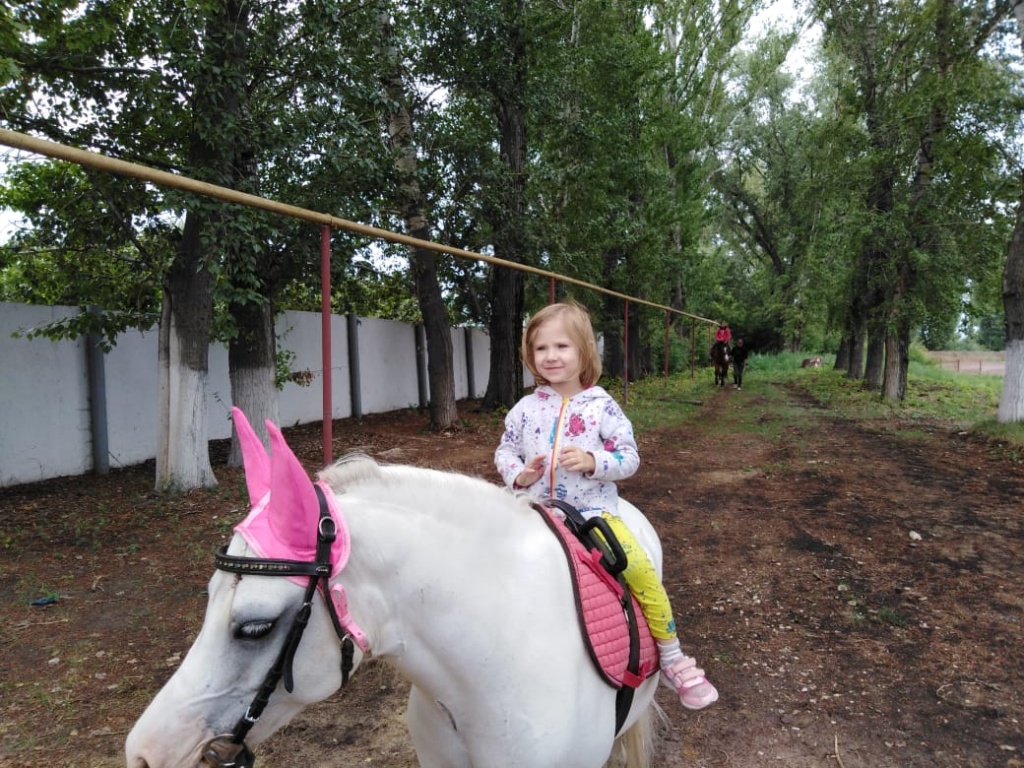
670, 157
991, 331
80, 249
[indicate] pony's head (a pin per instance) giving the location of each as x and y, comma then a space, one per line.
226, 693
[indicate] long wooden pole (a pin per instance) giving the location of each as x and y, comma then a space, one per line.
163, 178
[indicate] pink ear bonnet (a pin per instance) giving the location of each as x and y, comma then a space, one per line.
283, 521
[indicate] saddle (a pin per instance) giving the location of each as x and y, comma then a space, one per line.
614, 630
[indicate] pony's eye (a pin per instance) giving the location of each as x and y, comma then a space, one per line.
254, 630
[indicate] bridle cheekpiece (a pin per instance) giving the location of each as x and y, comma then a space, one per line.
225, 752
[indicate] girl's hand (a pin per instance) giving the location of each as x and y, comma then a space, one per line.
575, 459
532, 473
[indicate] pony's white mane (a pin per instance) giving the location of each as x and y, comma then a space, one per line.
359, 471
350, 470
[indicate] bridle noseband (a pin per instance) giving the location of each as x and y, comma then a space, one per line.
231, 751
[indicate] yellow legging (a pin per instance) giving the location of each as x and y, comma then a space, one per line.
643, 581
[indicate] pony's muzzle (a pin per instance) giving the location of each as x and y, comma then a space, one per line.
223, 752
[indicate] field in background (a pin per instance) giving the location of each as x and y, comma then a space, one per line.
963, 361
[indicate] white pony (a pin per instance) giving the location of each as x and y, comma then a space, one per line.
456, 582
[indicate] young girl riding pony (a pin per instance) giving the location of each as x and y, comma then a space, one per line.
570, 440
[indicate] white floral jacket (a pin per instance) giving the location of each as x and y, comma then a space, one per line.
544, 422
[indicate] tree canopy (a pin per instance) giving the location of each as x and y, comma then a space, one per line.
663, 150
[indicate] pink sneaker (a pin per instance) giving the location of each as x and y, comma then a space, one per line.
687, 679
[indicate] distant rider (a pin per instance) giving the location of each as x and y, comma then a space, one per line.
739, 361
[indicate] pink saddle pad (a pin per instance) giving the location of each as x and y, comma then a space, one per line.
603, 619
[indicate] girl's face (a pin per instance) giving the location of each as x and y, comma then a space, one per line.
557, 357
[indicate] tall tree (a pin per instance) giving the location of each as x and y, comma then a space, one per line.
233, 94
412, 206
909, 68
507, 44
216, 138
1011, 399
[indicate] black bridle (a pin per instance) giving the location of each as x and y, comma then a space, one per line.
232, 752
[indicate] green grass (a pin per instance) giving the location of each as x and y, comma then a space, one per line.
935, 396
659, 400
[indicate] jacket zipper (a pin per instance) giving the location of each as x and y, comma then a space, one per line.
554, 446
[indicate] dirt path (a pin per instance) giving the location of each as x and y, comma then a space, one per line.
858, 586
853, 589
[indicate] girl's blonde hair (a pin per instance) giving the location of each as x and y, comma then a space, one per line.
581, 331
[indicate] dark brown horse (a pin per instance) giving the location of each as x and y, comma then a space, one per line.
720, 357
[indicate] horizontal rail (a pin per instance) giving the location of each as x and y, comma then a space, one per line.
164, 178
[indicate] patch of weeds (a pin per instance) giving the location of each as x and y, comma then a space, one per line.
659, 401
226, 491
140, 617
890, 617
857, 613
223, 524
1006, 440
53, 697
85, 528
932, 394
200, 555
726, 657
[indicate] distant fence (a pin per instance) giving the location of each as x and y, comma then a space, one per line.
990, 363
46, 405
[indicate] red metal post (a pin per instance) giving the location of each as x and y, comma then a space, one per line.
325, 339
693, 348
666, 343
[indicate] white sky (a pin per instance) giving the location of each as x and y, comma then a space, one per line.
9, 220
783, 14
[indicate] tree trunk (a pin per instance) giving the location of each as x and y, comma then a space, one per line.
183, 456
843, 354
252, 367
857, 356
505, 383
444, 414
611, 331
183, 459
639, 362
874, 366
897, 360
1011, 399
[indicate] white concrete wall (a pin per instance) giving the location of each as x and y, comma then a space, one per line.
44, 407
387, 358
130, 371
44, 399
299, 332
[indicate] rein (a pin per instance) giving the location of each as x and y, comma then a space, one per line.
233, 753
